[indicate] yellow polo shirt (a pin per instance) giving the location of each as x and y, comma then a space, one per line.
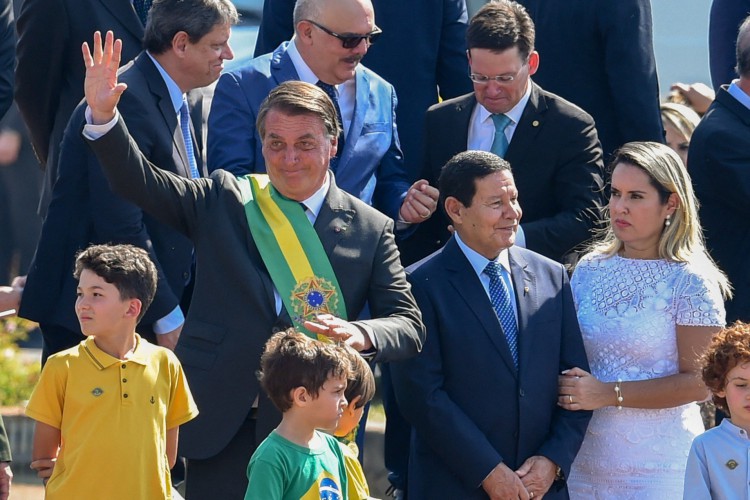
113, 416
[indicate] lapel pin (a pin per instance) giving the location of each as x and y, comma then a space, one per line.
731, 464
535, 123
525, 290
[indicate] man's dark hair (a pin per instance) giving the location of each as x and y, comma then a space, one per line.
195, 17
126, 267
743, 49
500, 25
292, 359
458, 177
295, 98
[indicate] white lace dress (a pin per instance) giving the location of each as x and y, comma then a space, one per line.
628, 310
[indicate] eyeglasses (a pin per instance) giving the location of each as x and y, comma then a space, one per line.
502, 79
350, 41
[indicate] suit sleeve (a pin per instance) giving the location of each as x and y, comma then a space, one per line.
7, 55
630, 63
396, 329
392, 181
42, 42
452, 64
117, 220
578, 192
174, 200
724, 21
231, 129
418, 383
276, 26
568, 427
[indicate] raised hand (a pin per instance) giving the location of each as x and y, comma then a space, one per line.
101, 88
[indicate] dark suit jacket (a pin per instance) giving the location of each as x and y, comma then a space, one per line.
84, 209
371, 165
719, 163
49, 75
599, 55
420, 59
469, 407
724, 22
557, 168
7, 55
232, 313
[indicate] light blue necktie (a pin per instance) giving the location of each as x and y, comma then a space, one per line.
500, 143
503, 306
185, 127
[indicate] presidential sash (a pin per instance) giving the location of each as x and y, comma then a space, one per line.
292, 251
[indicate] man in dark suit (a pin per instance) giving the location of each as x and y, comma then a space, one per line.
720, 167
724, 21
600, 56
49, 76
501, 326
425, 37
84, 210
552, 143
369, 163
238, 296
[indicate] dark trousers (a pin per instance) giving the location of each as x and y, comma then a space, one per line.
223, 476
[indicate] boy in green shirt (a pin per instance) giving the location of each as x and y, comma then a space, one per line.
306, 380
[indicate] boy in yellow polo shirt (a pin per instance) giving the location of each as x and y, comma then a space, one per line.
109, 409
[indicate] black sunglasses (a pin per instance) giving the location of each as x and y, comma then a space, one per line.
350, 41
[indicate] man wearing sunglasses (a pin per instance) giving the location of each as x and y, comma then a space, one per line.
331, 37
551, 143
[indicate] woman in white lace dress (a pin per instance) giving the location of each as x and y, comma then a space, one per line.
648, 299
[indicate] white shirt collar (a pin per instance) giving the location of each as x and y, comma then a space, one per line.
315, 202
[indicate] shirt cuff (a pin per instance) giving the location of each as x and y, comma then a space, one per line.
169, 322
93, 132
520, 237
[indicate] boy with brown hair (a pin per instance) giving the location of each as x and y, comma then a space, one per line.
305, 379
113, 403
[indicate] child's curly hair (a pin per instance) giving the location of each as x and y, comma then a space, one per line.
729, 348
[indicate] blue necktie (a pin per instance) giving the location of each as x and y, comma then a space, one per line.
331, 92
501, 302
185, 127
141, 8
500, 143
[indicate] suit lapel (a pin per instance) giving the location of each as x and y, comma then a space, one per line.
728, 100
361, 107
468, 286
124, 12
334, 218
282, 67
532, 120
524, 284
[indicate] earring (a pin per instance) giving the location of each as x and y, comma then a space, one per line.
667, 222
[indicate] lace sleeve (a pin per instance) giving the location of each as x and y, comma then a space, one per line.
698, 301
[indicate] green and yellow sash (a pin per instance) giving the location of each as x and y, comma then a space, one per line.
292, 251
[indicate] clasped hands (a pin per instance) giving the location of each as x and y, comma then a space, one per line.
532, 480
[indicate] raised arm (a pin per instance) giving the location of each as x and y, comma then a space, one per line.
101, 88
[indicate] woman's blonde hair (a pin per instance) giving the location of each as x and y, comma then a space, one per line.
681, 117
681, 240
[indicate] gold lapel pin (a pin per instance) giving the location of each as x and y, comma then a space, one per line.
535, 123
732, 464
525, 290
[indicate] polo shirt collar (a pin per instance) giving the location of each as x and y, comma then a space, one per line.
103, 360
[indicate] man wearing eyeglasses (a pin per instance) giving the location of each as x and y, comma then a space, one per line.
331, 37
551, 143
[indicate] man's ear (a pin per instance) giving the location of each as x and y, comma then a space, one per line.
533, 62
304, 31
179, 43
453, 208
